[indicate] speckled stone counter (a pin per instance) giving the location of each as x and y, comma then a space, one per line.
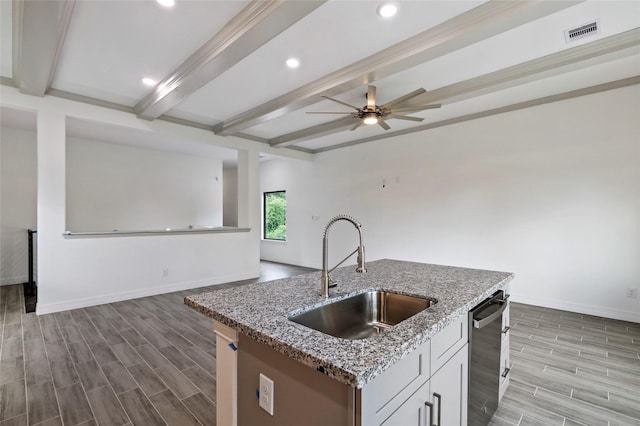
261, 312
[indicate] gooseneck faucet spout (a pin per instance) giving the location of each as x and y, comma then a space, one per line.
326, 280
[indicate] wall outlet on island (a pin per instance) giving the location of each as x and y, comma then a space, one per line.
266, 394
165, 272
632, 292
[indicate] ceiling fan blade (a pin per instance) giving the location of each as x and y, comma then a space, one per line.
325, 112
382, 124
358, 124
371, 98
340, 102
404, 98
416, 108
404, 117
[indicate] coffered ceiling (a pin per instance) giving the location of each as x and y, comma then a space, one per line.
220, 65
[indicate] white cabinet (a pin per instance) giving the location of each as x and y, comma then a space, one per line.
381, 397
431, 382
441, 401
449, 389
415, 411
448, 341
226, 374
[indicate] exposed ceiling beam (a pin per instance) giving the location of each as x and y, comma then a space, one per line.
89, 100
508, 108
39, 31
477, 24
256, 24
312, 132
553, 64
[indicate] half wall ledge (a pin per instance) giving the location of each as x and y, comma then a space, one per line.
168, 231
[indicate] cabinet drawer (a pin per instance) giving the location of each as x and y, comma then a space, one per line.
448, 341
382, 396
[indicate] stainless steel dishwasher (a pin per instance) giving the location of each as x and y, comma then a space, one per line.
485, 337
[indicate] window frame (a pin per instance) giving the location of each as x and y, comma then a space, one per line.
264, 215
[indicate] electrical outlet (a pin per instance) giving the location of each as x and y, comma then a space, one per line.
165, 272
266, 394
632, 292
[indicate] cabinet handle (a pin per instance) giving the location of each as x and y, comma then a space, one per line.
437, 395
505, 373
506, 330
430, 407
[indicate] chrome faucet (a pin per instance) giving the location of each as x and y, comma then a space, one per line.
327, 282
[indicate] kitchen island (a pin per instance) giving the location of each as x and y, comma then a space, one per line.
353, 369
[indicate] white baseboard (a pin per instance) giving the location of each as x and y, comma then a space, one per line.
287, 262
42, 309
580, 308
13, 280
276, 259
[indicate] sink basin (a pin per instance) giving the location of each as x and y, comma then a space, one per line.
362, 315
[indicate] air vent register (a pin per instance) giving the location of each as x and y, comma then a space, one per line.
582, 31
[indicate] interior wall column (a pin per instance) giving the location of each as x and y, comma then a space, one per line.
51, 151
249, 189
249, 201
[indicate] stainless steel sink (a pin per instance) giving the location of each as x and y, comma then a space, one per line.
362, 315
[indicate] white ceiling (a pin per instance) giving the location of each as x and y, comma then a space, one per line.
221, 64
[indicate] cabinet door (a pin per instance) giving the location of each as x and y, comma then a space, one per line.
381, 397
415, 411
449, 391
226, 374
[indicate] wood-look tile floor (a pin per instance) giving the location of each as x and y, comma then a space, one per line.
151, 361
571, 369
147, 361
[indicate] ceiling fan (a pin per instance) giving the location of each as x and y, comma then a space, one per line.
376, 114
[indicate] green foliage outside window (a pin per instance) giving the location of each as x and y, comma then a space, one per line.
275, 215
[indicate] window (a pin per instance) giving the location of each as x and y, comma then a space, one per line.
275, 215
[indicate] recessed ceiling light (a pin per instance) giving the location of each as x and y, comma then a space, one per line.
167, 3
387, 9
293, 63
148, 81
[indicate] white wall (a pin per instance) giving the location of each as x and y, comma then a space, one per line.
230, 195
112, 186
18, 202
77, 272
551, 193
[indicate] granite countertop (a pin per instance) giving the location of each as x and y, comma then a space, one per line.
260, 311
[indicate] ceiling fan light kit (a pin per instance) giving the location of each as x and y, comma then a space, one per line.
371, 113
371, 118
167, 3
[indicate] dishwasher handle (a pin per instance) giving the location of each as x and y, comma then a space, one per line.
480, 323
